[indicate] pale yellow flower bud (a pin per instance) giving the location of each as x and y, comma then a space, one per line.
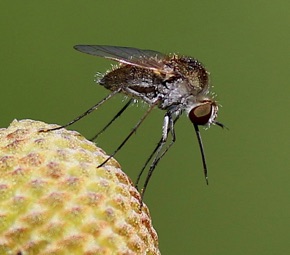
54, 199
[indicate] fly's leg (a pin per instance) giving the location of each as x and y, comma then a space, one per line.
168, 126
114, 118
132, 132
85, 113
152, 154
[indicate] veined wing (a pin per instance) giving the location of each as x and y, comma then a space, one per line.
148, 59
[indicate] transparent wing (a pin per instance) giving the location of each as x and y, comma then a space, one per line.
149, 59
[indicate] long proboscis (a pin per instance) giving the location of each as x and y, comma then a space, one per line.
202, 152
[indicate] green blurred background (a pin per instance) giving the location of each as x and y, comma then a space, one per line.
244, 44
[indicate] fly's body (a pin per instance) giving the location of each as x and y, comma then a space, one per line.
179, 81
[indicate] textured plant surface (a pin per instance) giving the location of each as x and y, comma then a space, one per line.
54, 199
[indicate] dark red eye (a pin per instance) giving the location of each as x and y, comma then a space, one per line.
203, 114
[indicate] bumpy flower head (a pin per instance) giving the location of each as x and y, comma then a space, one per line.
54, 200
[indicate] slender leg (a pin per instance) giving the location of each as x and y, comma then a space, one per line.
85, 113
114, 118
170, 128
131, 133
146, 163
151, 155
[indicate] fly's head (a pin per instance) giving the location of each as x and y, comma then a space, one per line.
201, 110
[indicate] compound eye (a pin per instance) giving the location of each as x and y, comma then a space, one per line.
202, 114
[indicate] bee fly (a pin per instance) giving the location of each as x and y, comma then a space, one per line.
173, 83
